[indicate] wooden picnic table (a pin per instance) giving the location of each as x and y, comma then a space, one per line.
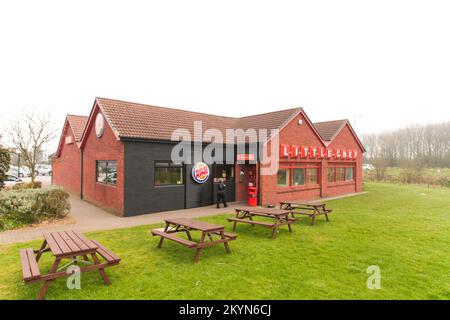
246, 214
310, 209
63, 245
215, 233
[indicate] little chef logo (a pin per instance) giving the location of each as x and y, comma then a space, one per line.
287, 151
99, 125
200, 172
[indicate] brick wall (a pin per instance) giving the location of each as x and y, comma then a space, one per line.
66, 169
105, 148
345, 139
303, 135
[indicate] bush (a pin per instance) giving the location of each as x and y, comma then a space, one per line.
28, 185
27, 206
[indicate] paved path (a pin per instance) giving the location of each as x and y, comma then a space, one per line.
86, 217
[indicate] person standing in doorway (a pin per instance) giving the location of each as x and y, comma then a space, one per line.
221, 194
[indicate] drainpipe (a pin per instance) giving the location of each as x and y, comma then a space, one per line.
81, 174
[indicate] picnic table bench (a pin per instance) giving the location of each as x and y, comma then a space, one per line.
215, 233
65, 245
279, 217
306, 208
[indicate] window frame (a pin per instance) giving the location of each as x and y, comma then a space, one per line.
290, 166
170, 165
288, 175
97, 162
345, 166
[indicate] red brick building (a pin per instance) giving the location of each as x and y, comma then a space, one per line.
120, 158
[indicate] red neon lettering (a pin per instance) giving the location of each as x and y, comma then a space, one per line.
329, 153
305, 152
284, 151
295, 151
321, 153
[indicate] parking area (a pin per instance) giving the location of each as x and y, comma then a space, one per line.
46, 180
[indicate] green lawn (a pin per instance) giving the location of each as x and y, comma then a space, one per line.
405, 230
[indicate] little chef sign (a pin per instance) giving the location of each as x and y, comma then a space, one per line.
287, 151
200, 172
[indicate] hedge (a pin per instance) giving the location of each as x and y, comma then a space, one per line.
28, 206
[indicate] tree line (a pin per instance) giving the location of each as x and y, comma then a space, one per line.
428, 145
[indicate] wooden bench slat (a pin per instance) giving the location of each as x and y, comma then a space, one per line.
52, 244
266, 224
173, 237
61, 243
26, 271
30, 269
70, 243
228, 235
77, 240
88, 242
33, 263
109, 256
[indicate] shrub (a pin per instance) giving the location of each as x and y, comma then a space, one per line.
28, 185
26, 206
443, 181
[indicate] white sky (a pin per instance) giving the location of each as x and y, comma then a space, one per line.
388, 61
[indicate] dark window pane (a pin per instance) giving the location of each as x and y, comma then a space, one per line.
312, 176
340, 174
107, 172
283, 178
167, 173
224, 171
331, 174
298, 177
349, 174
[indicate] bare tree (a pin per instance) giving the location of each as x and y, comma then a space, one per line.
425, 144
4, 163
29, 136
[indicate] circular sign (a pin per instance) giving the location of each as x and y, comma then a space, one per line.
99, 125
200, 172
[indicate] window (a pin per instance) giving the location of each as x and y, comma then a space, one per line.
331, 174
348, 174
298, 176
224, 171
107, 172
340, 173
283, 178
168, 173
312, 175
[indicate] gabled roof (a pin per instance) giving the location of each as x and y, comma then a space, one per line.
329, 129
77, 123
140, 121
129, 120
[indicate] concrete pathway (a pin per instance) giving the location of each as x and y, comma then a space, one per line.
85, 217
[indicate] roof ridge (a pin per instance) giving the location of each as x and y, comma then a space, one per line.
330, 121
197, 112
265, 113
76, 115
170, 108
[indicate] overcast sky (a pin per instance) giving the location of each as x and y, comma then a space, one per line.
387, 62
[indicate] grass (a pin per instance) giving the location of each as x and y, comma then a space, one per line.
402, 229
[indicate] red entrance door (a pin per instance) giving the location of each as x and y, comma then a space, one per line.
245, 175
